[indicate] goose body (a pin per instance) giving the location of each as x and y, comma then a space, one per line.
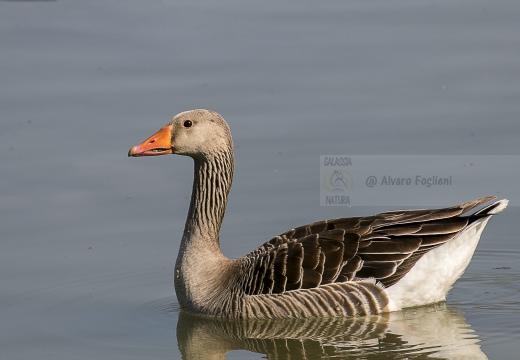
331, 268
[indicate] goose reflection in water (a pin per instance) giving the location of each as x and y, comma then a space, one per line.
430, 332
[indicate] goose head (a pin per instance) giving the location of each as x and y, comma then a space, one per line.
195, 133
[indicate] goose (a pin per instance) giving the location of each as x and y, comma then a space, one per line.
333, 268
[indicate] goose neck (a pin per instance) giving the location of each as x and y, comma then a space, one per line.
211, 185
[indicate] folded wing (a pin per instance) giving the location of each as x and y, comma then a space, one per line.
384, 247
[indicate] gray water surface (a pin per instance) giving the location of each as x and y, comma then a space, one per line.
89, 237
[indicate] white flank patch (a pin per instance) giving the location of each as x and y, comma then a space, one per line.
434, 274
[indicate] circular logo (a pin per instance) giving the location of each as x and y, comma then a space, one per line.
337, 181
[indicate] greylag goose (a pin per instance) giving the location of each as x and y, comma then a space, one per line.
331, 268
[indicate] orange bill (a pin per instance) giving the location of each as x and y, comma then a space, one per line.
157, 144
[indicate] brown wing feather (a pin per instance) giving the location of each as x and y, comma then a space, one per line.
384, 246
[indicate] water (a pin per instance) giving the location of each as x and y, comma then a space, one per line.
89, 237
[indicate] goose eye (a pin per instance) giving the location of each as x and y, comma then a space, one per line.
188, 123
